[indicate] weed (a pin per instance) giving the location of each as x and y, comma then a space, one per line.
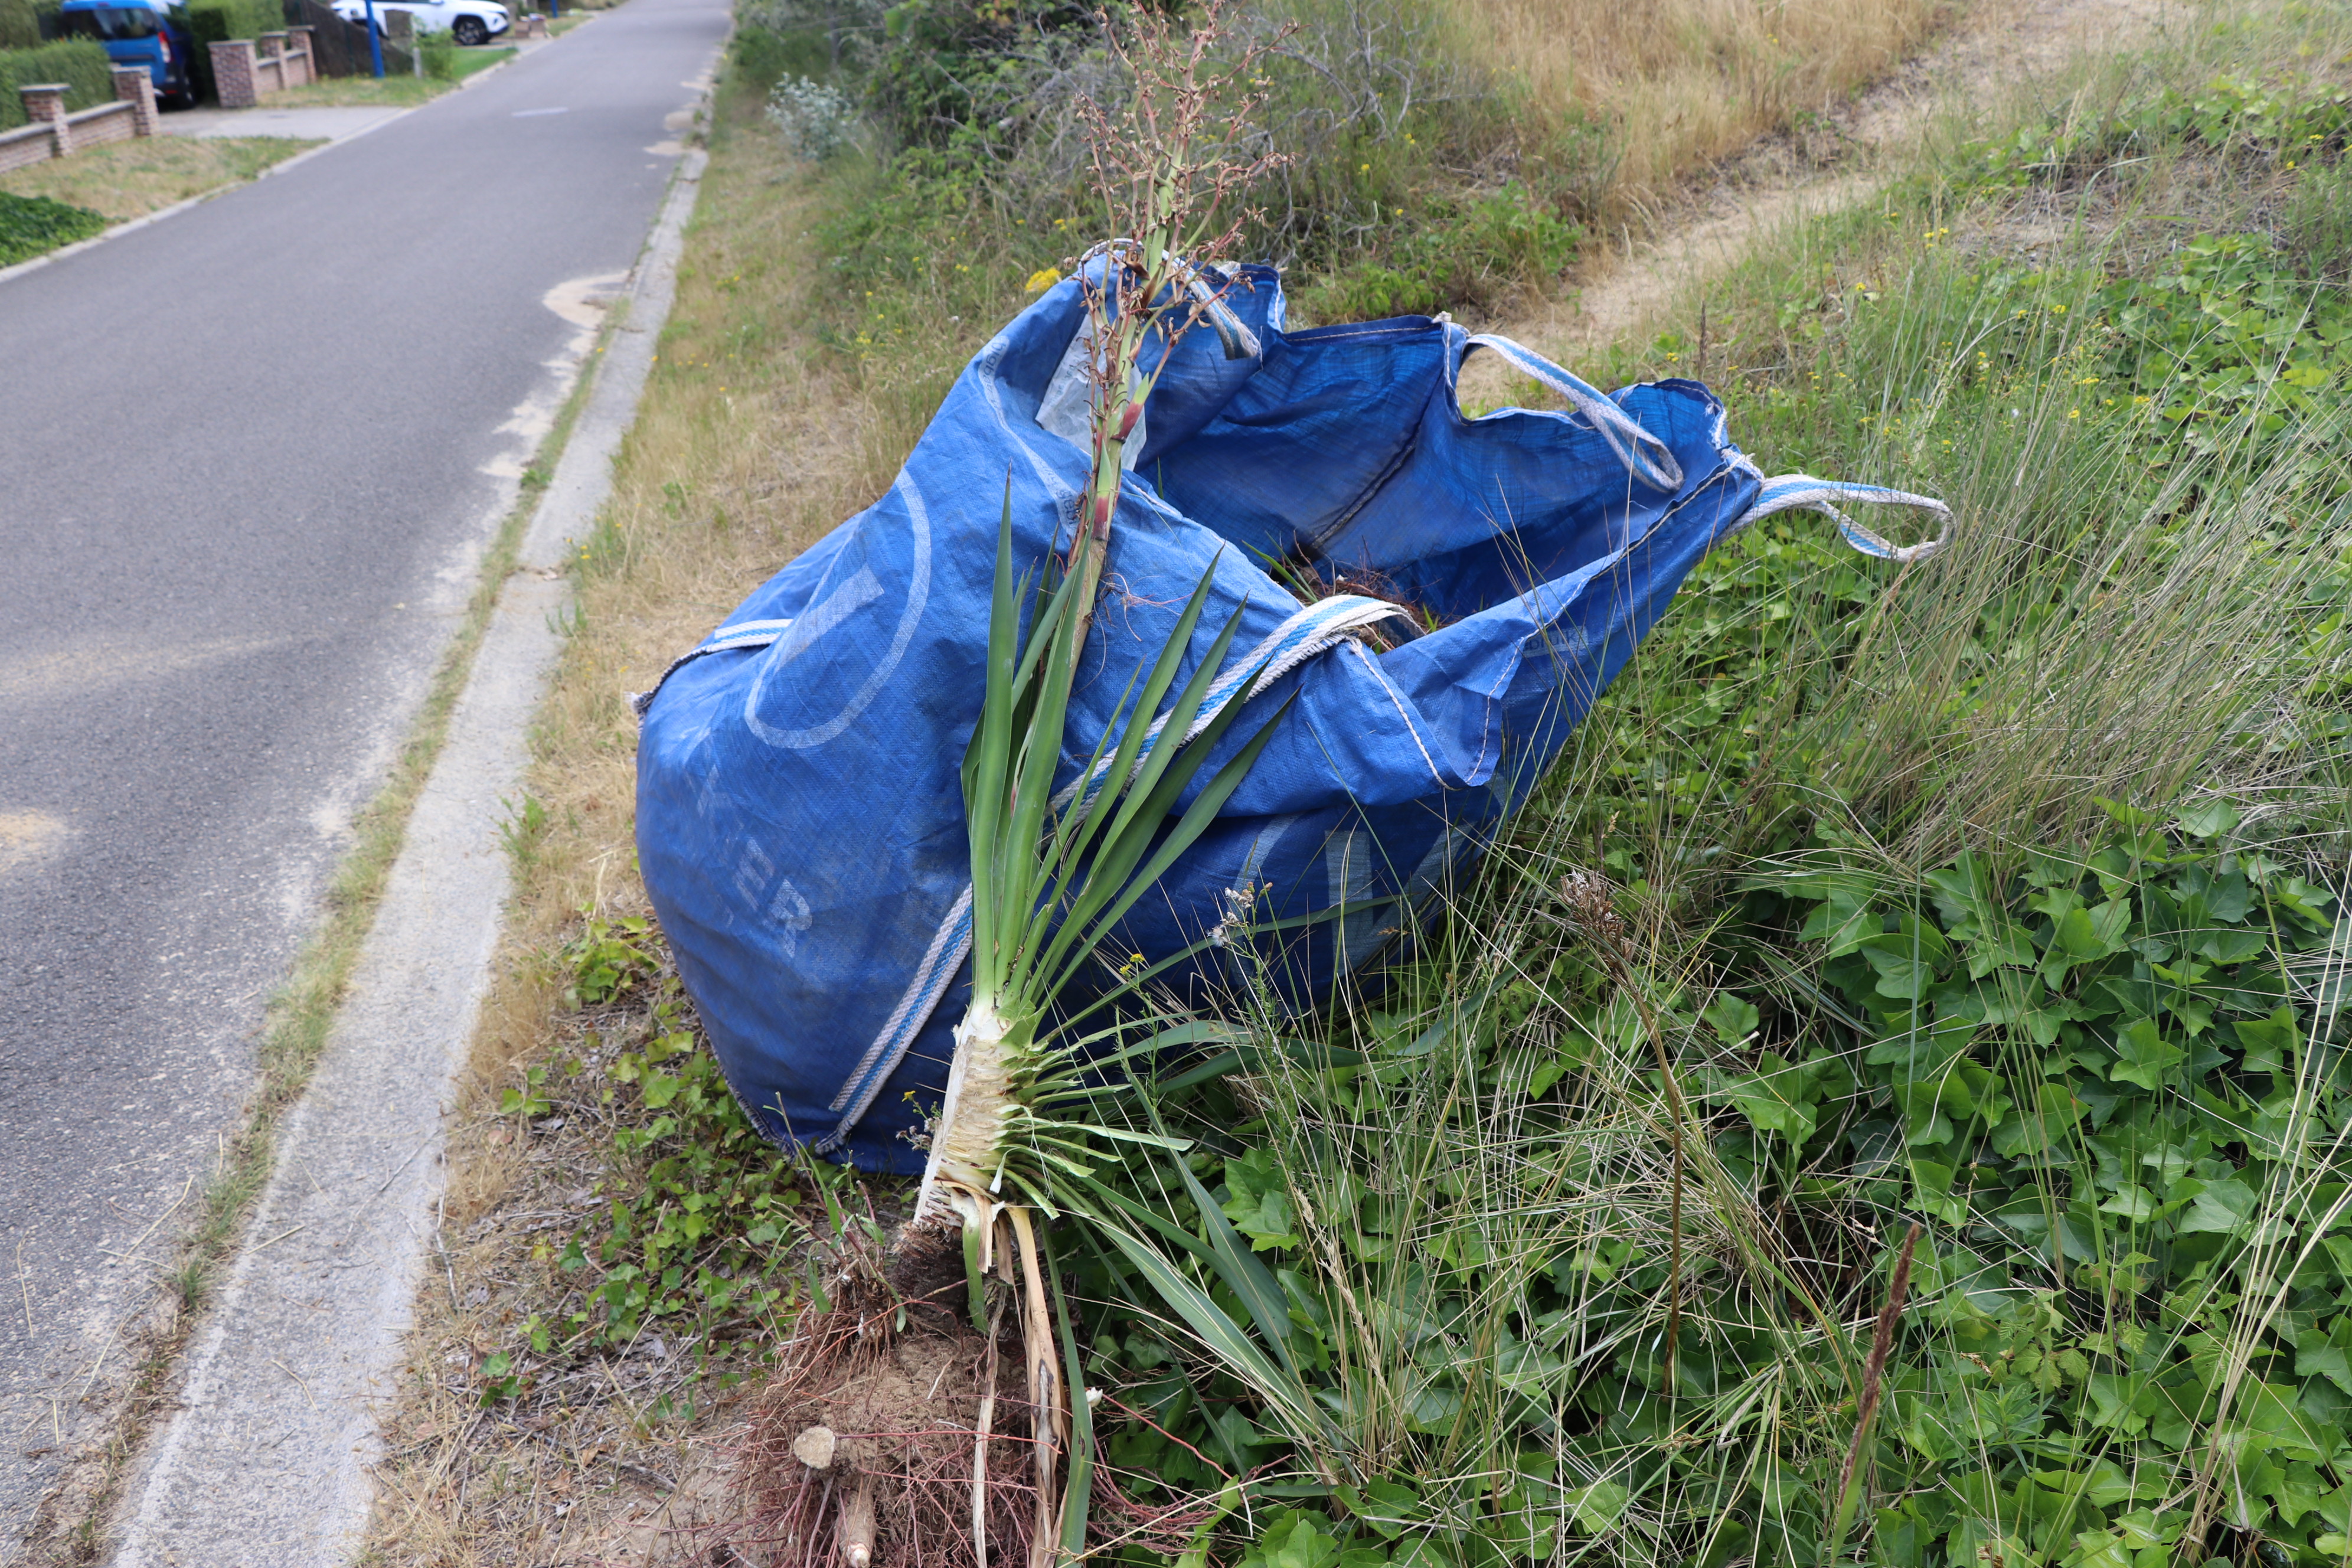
522, 828
698, 1222
34, 225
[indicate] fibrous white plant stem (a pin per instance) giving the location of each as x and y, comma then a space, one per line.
964, 1140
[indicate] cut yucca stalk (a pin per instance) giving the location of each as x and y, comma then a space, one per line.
1054, 872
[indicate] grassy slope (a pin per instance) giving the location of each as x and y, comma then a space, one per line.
1842, 338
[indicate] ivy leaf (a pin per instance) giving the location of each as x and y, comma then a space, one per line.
2043, 1121
2317, 1356
2232, 946
1932, 1192
2209, 818
1260, 1204
2143, 1056
1779, 1097
1901, 976
1841, 921
1597, 1507
2134, 1203
2082, 936
1732, 1018
2220, 1207
2268, 1041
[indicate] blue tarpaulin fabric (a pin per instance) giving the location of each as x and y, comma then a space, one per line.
800, 820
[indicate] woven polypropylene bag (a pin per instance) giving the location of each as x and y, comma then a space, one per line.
800, 820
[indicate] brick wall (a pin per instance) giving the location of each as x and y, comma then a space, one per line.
134, 86
246, 71
51, 133
116, 121
24, 145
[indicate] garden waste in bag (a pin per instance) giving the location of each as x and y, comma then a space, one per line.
800, 816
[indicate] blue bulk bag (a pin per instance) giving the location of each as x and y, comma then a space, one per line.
800, 816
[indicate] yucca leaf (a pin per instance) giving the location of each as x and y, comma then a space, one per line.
1235, 1262
975, 1289
1235, 1353
1181, 836
1176, 753
1152, 1220
1079, 1492
991, 739
1022, 879
1249, 1056
1139, 729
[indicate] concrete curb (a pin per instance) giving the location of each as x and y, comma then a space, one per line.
267, 1461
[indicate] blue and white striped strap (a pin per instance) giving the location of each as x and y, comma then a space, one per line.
740, 634
1314, 628
1646, 456
1792, 492
1304, 634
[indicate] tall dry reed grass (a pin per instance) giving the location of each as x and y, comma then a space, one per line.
1684, 83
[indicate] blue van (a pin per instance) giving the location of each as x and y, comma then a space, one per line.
138, 33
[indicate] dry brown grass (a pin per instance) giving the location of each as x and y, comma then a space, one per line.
131, 179
1686, 82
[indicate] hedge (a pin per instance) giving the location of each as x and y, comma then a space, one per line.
216, 21
211, 22
79, 63
20, 24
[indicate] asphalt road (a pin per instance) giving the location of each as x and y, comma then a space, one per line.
249, 456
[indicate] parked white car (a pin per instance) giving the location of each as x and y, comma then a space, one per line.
470, 22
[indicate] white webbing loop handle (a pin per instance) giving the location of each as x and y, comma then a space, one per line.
1794, 492
1646, 456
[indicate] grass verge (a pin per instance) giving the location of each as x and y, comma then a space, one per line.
131, 179
392, 92
553, 1410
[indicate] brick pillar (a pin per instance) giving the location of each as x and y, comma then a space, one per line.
297, 43
269, 63
45, 104
232, 73
135, 87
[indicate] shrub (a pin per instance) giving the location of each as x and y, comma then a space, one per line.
1460, 252
217, 21
79, 63
815, 120
762, 57
20, 24
32, 226
211, 22
439, 49
821, 37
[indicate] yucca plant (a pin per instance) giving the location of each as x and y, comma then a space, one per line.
1054, 872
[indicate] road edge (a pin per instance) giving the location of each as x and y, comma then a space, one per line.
422, 974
